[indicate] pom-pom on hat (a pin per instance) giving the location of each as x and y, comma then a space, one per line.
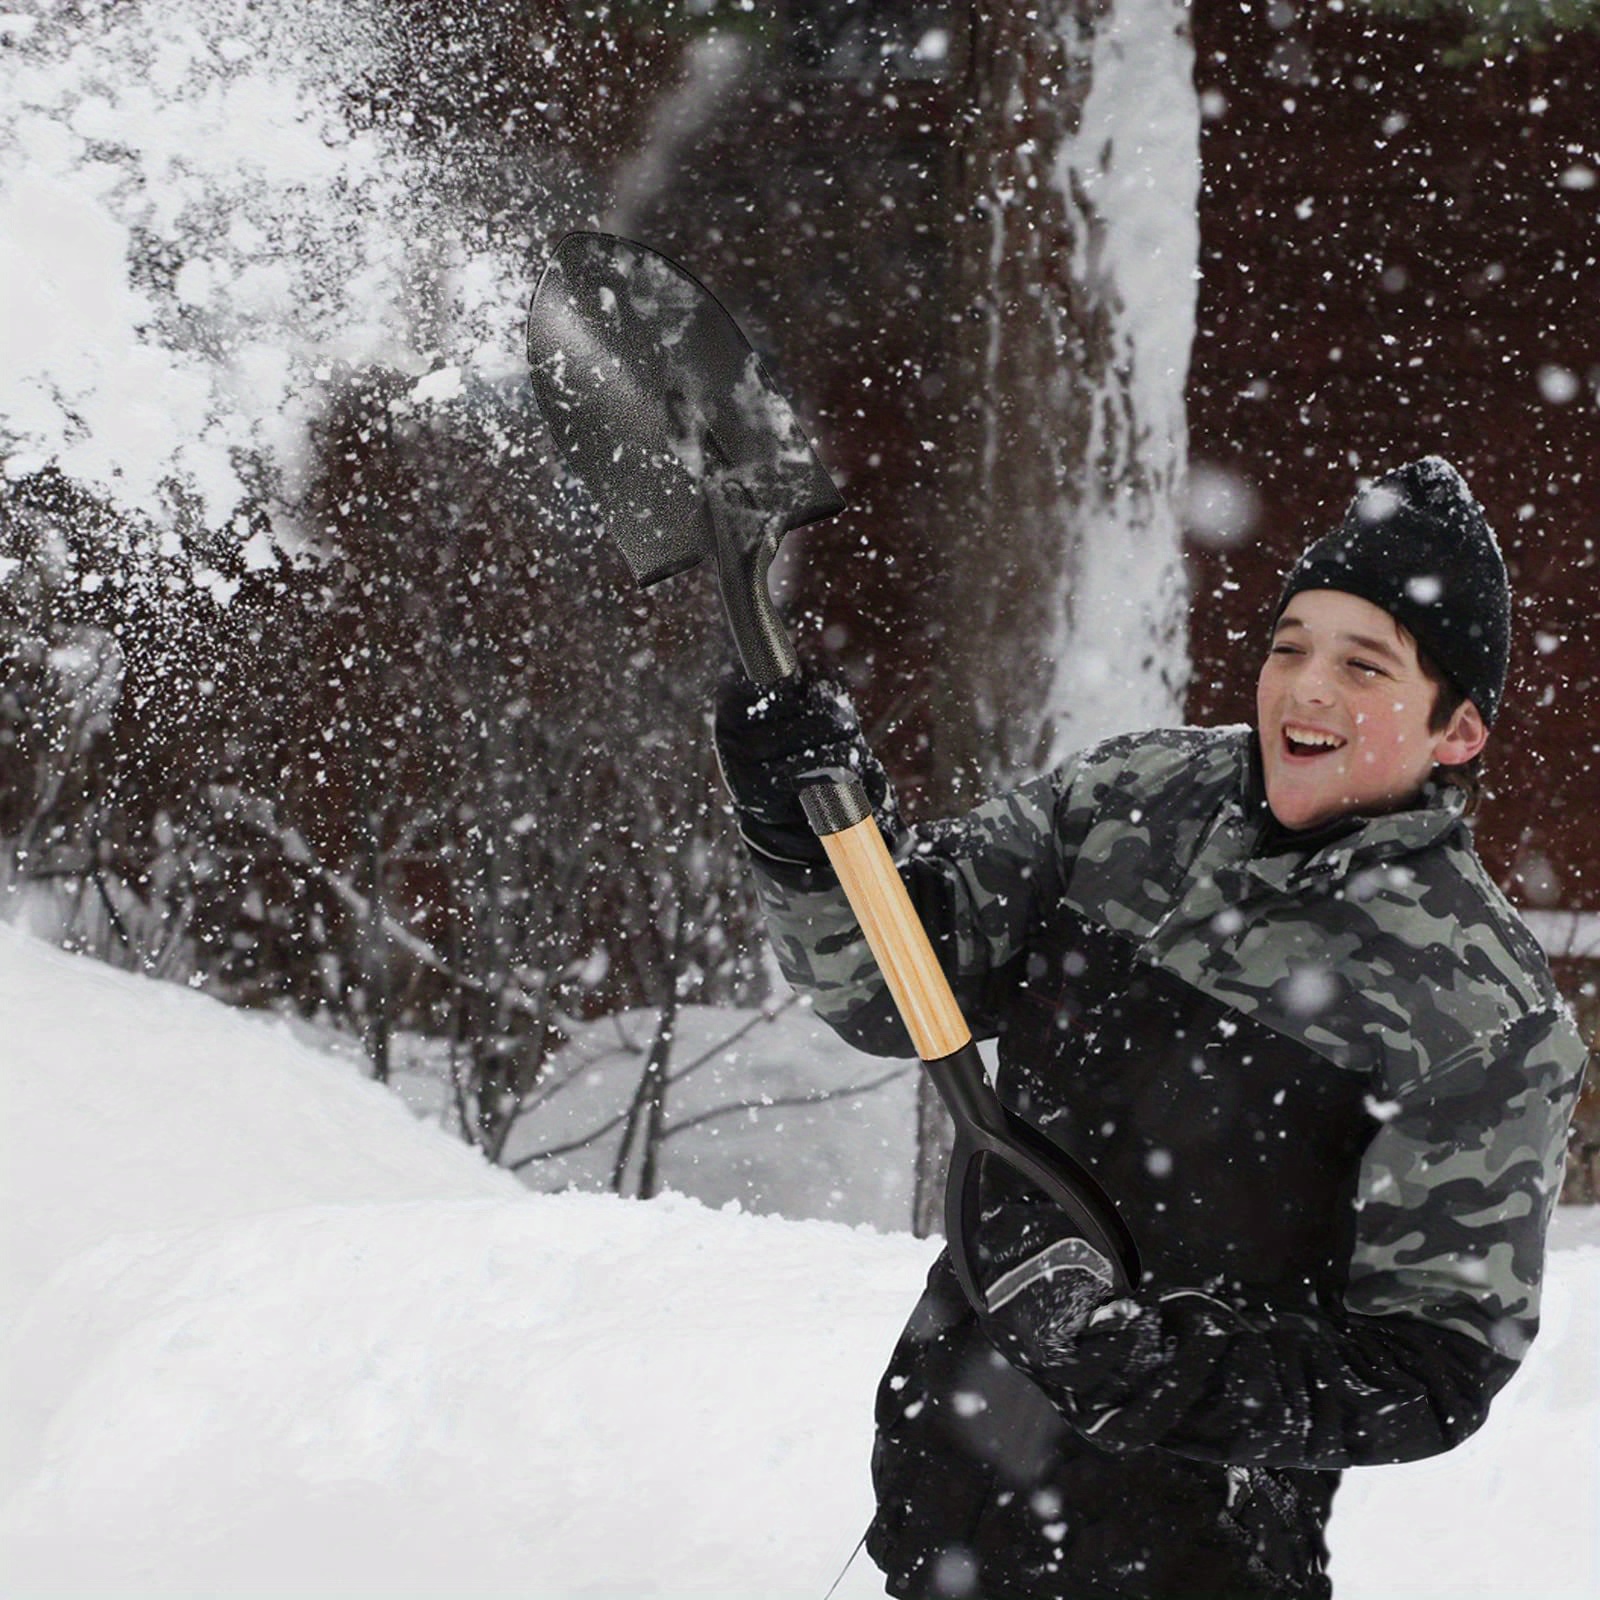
1417, 545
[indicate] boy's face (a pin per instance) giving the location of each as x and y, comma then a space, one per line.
1343, 705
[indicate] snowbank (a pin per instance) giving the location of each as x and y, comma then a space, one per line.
270, 1334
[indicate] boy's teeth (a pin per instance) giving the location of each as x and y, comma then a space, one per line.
1325, 741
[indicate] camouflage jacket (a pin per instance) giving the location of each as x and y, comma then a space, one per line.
1326, 1078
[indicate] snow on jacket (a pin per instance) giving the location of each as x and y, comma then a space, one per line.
1327, 1081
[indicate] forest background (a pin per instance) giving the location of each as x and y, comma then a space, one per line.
321, 690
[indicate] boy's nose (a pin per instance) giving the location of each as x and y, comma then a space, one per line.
1314, 686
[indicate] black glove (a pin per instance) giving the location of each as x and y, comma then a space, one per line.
1052, 1309
770, 741
1042, 1281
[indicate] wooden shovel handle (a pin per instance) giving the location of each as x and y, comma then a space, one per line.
842, 819
896, 937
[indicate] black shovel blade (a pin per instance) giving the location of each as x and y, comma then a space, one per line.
652, 395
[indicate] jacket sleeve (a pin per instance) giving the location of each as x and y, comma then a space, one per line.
1455, 1195
972, 881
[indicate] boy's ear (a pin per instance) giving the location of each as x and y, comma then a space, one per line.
1463, 737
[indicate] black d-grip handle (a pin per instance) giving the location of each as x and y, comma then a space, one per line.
985, 1127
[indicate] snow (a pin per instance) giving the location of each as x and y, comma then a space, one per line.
1120, 660
268, 1330
196, 236
768, 1112
1565, 935
270, 1333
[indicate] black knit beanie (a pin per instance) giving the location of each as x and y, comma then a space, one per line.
1417, 545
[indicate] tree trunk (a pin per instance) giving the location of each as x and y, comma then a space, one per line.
1076, 259
372, 934
1076, 250
655, 1122
935, 1136
646, 1126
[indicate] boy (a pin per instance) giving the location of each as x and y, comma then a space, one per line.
1260, 984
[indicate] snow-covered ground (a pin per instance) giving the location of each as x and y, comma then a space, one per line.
269, 1333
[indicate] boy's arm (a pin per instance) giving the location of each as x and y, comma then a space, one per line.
970, 884
1442, 1300
971, 880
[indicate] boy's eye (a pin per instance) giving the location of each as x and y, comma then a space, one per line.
1370, 668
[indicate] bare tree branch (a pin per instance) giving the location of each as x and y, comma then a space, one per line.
297, 848
821, 1097
783, 1101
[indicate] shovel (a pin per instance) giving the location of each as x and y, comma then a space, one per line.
658, 405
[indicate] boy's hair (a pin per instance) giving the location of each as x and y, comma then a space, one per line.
1447, 700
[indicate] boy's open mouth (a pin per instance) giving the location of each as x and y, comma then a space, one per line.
1307, 743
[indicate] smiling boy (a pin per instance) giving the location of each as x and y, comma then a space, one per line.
1345, 706
1259, 982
